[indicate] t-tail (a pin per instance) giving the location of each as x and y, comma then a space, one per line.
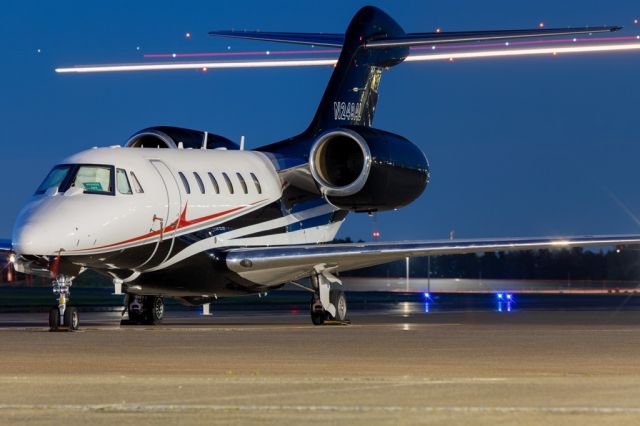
372, 43
340, 156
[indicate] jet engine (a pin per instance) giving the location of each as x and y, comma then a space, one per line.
363, 169
176, 137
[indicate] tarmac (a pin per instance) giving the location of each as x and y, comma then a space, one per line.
392, 365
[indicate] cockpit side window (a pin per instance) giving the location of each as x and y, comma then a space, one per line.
94, 179
122, 183
136, 183
55, 178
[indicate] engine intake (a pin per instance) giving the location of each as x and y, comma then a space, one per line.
340, 162
365, 169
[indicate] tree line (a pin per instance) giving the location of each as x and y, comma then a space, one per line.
621, 264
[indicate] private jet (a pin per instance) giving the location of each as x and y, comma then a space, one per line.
189, 214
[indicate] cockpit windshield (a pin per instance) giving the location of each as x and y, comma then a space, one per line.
91, 178
55, 177
94, 179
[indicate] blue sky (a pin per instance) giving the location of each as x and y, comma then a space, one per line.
526, 146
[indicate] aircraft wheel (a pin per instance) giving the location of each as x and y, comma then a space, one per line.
317, 316
153, 310
71, 318
339, 301
54, 319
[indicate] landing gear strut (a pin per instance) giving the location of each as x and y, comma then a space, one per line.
326, 303
145, 309
63, 315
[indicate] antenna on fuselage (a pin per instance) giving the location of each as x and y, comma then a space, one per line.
241, 143
205, 140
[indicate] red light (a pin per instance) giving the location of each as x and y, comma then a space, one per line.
376, 234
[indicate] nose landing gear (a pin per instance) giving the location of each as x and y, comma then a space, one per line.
63, 316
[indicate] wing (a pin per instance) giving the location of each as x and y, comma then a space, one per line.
411, 39
5, 246
276, 265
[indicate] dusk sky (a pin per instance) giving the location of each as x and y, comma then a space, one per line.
517, 146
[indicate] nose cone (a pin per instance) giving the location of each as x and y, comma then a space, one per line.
36, 231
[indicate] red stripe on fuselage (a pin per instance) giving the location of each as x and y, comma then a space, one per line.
181, 223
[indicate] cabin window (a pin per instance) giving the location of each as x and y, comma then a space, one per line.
256, 182
136, 183
214, 182
122, 183
185, 182
229, 184
243, 184
199, 180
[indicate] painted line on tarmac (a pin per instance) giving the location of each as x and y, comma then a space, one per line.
183, 408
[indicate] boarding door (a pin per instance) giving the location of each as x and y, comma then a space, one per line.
167, 221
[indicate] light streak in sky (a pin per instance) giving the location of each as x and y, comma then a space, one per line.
413, 48
323, 62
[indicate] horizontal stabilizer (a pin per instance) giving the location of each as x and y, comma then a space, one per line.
411, 39
418, 39
319, 39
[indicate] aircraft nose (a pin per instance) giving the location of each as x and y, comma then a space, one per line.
37, 231
31, 239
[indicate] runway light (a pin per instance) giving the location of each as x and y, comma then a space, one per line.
635, 21
509, 297
187, 35
541, 25
500, 296
376, 234
205, 69
427, 295
438, 30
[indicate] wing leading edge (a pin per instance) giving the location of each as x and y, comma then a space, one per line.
5, 245
277, 265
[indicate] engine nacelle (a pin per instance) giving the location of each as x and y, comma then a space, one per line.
363, 169
175, 137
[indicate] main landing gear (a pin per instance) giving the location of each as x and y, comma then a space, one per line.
63, 316
327, 304
147, 310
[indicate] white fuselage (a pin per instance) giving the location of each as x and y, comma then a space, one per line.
173, 193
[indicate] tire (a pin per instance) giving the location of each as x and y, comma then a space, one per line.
317, 317
54, 319
153, 310
71, 318
339, 301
